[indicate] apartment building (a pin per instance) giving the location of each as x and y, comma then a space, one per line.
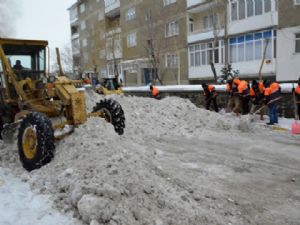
247, 27
136, 40
87, 22
288, 40
154, 41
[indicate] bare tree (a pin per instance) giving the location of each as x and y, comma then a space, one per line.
113, 50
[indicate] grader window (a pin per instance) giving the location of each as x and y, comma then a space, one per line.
27, 60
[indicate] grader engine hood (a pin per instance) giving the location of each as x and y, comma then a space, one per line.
73, 99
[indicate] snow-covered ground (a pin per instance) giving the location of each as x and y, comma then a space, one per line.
175, 164
19, 205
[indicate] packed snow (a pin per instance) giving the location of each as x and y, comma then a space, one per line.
176, 164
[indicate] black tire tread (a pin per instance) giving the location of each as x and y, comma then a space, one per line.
45, 140
116, 111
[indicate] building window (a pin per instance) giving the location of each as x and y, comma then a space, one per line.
130, 14
82, 8
241, 9
168, 2
297, 50
131, 40
251, 46
83, 25
205, 53
171, 60
84, 42
209, 22
296, 2
191, 25
172, 29
148, 15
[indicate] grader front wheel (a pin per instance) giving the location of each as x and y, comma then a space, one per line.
113, 113
35, 141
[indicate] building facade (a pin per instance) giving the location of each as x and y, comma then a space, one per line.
87, 23
288, 39
136, 40
247, 26
176, 41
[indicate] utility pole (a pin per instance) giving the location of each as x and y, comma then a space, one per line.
226, 34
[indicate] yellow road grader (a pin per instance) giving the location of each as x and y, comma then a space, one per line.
42, 108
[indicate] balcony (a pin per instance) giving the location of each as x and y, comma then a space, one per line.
192, 3
112, 8
75, 36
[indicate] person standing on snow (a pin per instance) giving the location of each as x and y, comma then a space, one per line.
234, 101
210, 94
243, 92
272, 96
257, 97
297, 94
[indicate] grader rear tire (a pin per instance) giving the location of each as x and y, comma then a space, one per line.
35, 141
113, 113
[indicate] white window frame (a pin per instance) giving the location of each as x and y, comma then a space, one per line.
131, 40
168, 2
172, 60
199, 53
296, 2
172, 29
209, 21
255, 42
254, 12
131, 14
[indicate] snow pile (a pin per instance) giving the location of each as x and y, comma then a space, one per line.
19, 206
104, 178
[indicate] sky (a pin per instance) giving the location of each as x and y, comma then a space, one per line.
45, 20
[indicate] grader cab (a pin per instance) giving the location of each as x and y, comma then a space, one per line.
38, 105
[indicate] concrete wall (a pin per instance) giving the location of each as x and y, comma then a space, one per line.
288, 62
289, 14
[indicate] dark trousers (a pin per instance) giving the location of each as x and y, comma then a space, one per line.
273, 112
208, 102
245, 105
298, 111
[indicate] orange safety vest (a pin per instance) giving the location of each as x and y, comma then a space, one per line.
252, 92
297, 90
154, 91
273, 92
261, 87
243, 88
210, 88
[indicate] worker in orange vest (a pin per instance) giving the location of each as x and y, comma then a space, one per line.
257, 97
297, 93
272, 96
243, 91
154, 92
233, 101
210, 94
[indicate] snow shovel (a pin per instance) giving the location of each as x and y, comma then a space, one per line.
252, 115
296, 124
